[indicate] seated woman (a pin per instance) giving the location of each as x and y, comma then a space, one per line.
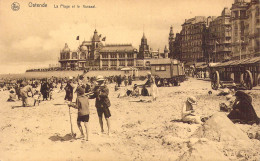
188, 111
135, 91
243, 111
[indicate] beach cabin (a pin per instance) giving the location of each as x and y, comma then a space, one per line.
167, 69
130, 71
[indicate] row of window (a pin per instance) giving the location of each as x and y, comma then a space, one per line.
73, 56
121, 63
129, 55
160, 68
193, 43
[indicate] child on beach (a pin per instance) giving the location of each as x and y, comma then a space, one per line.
37, 96
188, 114
82, 105
12, 96
51, 94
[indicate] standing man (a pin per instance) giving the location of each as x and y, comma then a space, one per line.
24, 94
102, 102
69, 90
44, 90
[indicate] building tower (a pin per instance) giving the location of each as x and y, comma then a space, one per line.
166, 52
96, 46
144, 51
171, 43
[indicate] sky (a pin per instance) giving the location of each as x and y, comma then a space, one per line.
32, 37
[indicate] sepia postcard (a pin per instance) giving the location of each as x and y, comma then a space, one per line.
137, 80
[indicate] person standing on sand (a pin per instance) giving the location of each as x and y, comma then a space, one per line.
44, 90
82, 104
188, 111
100, 92
69, 91
24, 94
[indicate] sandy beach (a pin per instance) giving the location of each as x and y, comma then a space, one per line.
140, 130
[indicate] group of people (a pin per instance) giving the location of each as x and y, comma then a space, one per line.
99, 92
241, 109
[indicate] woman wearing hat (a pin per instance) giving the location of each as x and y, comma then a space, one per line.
102, 102
188, 111
243, 110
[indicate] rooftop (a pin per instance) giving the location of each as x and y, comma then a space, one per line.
118, 48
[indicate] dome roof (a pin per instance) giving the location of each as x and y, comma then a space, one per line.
83, 48
66, 48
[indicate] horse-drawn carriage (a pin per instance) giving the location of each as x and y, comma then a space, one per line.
167, 71
236, 73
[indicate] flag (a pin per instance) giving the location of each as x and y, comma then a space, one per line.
77, 38
100, 35
104, 39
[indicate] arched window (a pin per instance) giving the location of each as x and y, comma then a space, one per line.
83, 56
68, 56
74, 55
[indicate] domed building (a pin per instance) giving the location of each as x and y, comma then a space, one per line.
87, 54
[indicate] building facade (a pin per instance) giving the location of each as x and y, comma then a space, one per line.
177, 47
116, 56
238, 19
252, 29
219, 37
193, 39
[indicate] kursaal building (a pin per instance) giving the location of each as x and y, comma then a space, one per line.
94, 54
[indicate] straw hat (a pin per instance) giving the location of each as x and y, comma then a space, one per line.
70, 77
149, 73
192, 100
100, 78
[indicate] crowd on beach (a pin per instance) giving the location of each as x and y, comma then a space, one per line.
238, 103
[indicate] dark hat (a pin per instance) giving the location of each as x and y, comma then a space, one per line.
243, 96
80, 91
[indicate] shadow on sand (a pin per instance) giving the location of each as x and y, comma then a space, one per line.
13, 107
59, 104
57, 137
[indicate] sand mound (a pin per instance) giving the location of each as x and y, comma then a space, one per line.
220, 128
198, 149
